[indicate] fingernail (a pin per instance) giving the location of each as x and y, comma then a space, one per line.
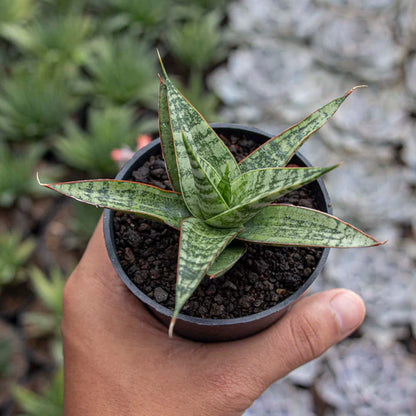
349, 310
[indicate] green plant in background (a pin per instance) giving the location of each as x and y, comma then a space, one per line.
16, 173
49, 403
198, 42
5, 357
108, 128
217, 204
211, 4
206, 101
54, 7
13, 11
59, 41
49, 289
33, 105
146, 14
122, 71
83, 221
14, 254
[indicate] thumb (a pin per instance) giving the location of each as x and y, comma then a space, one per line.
313, 325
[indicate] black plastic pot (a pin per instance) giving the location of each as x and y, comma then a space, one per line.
213, 330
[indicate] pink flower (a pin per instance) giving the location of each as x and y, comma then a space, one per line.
143, 140
122, 155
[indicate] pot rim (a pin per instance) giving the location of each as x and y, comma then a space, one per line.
111, 249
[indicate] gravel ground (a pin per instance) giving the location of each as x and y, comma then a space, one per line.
293, 58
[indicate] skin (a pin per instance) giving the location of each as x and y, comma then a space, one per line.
118, 359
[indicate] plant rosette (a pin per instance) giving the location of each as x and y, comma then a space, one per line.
206, 329
219, 206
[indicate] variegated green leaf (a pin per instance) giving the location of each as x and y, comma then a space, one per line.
224, 186
257, 188
144, 200
279, 150
166, 138
226, 259
184, 117
210, 199
199, 246
287, 225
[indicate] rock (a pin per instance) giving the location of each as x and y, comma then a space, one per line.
374, 6
384, 277
362, 193
405, 23
410, 75
374, 115
269, 18
409, 149
246, 301
282, 398
353, 43
363, 379
160, 295
307, 373
274, 82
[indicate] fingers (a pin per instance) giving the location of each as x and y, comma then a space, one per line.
310, 328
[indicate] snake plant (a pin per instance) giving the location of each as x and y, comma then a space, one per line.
218, 204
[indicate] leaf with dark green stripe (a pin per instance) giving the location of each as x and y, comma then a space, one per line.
287, 225
224, 186
210, 199
183, 116
144, 200
226, 260
166, 138
257, 188
199, 246
279, 150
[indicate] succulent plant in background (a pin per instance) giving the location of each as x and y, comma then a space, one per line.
60, 41
217, 204
49, 289
5, 356
33, 105
198, 42
49, 402
22, 164
121, 70
14, 253
13, 11
108, 128
145, 13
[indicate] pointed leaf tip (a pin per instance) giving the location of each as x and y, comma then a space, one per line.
278, 151
289, 225
141, 199
161, 64
39, 182
171, 326
353, 89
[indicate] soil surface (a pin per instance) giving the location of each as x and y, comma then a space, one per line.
263, 277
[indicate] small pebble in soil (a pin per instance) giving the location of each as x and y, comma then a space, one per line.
160, 295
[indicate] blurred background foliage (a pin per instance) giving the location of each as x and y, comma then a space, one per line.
78, 80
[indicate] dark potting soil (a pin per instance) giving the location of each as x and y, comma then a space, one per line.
263, 277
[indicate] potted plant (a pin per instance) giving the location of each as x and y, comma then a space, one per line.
219, 206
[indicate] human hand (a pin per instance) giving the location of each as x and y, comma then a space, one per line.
118, 359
